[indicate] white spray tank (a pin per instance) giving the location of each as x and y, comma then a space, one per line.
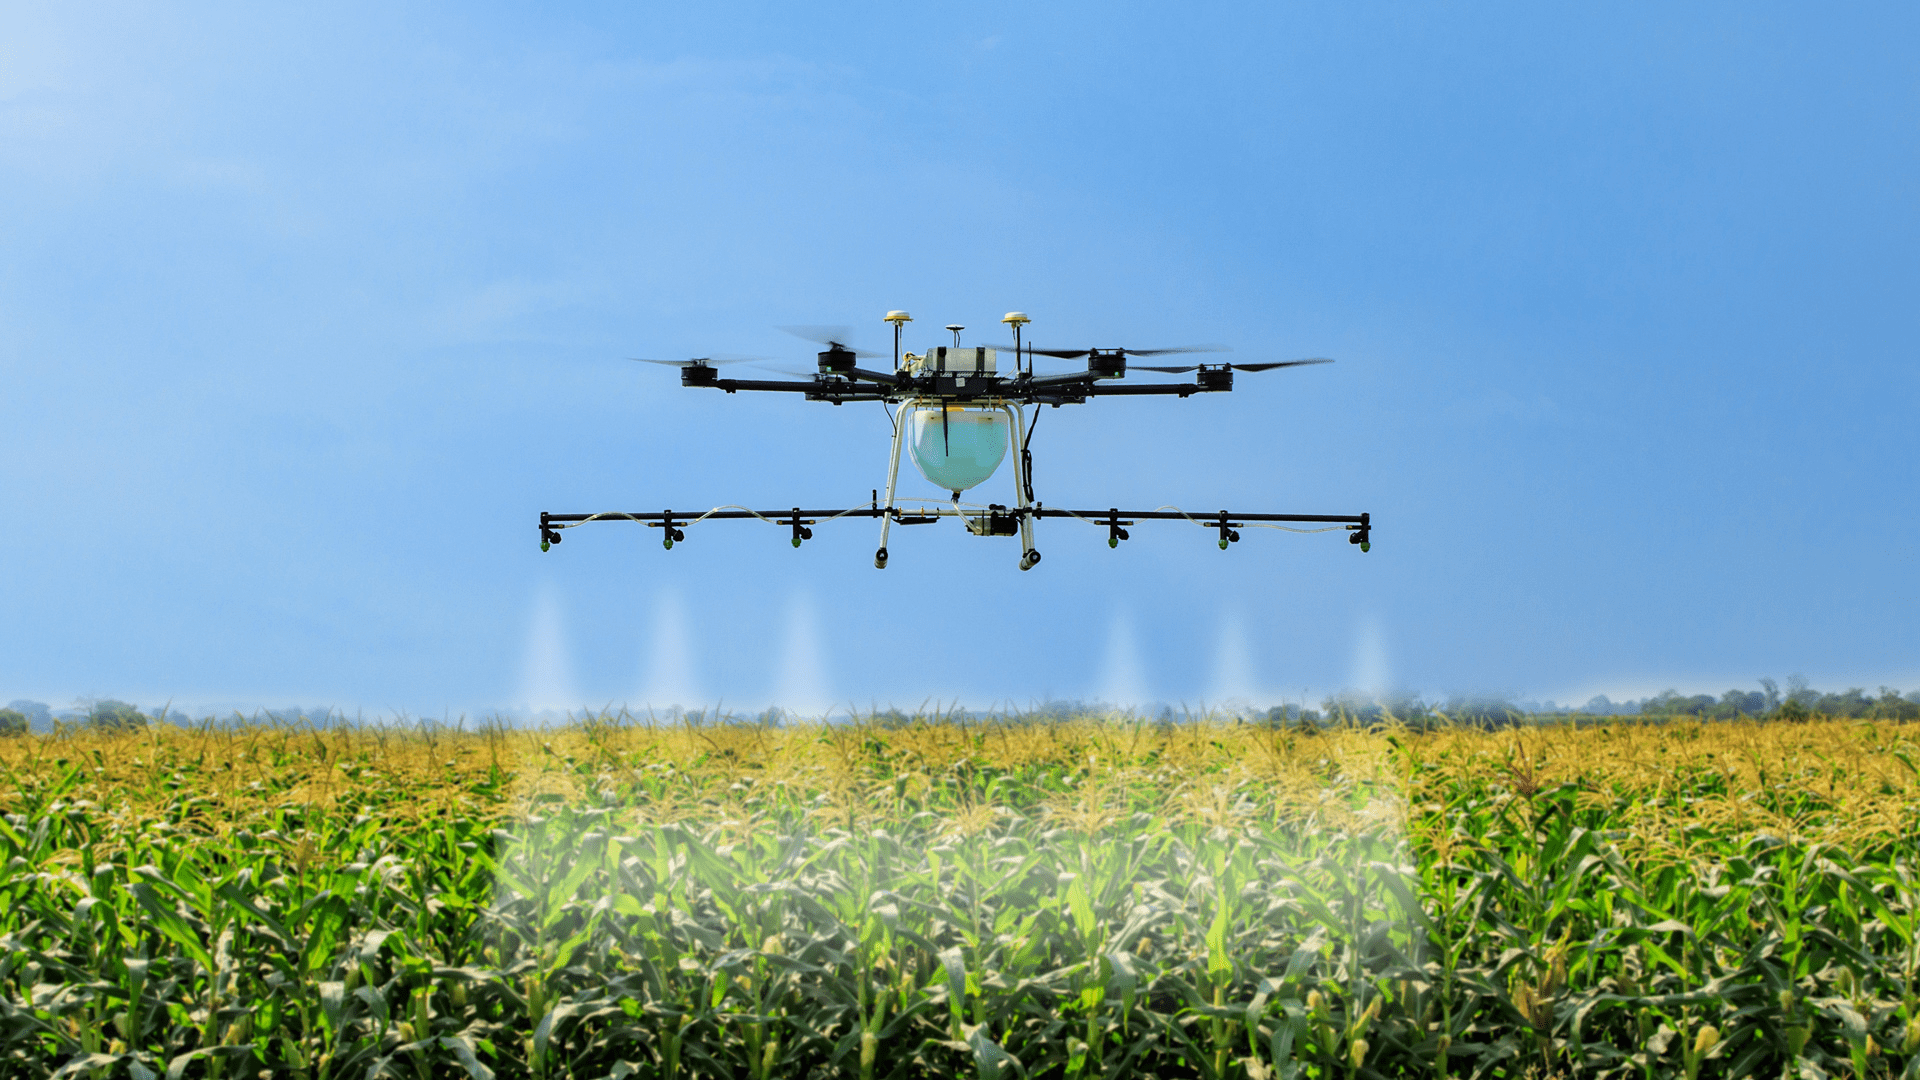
957, 446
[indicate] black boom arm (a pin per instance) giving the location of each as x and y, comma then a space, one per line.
990, 520
859, 384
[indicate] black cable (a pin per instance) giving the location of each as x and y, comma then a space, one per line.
1026, 456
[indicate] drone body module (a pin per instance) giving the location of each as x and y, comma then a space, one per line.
959, 417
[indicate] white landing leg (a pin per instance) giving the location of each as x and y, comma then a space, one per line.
1018, 433
893, 477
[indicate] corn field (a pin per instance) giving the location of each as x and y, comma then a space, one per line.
1100, 897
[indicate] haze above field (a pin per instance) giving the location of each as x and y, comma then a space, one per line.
305, 316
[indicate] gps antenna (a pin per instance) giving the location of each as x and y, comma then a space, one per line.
897, 318
1017, 319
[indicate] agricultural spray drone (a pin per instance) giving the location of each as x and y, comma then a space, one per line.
958, 417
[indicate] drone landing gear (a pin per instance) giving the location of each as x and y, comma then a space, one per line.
886, 513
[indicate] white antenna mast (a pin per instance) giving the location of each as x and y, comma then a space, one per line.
897, 318
1017, 319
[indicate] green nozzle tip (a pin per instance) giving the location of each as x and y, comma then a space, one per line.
1223, 545
667, 543
796, 541
544, 546
1113, 541
1366, 545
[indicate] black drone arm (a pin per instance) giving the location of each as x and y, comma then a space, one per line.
857, 381
731, 385
1143, 389
1072, 378
861, 384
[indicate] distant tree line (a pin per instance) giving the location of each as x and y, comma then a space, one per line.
108, 714
1799, 702
99, 714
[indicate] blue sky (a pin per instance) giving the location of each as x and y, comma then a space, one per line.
306, 314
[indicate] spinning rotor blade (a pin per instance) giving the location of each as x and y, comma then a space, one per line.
833, 337
1071, 354
703, 361
1178, 349
1235, 367
1281, 363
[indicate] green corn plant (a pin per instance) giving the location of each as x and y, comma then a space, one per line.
907, 899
